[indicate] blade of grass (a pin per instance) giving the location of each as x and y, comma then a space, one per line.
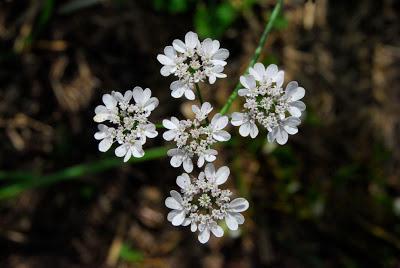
268, 27
71, 173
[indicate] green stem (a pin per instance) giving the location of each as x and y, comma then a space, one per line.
198, 93
71, 173
256, 55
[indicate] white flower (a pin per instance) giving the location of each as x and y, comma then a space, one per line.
250, 85
202, 204
131, 126
194, 138
106, 135
192, 62
269, 76
293, 95
285, 127
268, 104
247, 124
202, 113
180, 88
218, 123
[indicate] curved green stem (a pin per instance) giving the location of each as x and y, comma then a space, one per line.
256, 55
22, 183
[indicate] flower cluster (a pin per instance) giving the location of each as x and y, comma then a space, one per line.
194, 138
130, 124
267, 104
202, 204
192, 62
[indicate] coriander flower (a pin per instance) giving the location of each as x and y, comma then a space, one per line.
202, 204
130, 125
194, 138
192, 62
268, 105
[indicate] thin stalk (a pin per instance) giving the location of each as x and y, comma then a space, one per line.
256, 55
70, 173
198, 93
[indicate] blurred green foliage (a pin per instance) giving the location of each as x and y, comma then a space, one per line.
129, 254
211, 18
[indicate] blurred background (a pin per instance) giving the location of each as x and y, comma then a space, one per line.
328, 198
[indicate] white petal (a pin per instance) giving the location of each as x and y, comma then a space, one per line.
291, 130
127, 155
169, 51
292, 121
137, 150
209, 171
121, 150
279, 78
183, 181
193, 227
206, 108
204, 236
191, 40
188, 165
294, 111
138, 95
176, 161
253, 130
244, 130
172, 203
298, 94
179, 218
271, 70
217, 230
219, 121
179, 46
209, 155
248, 81
231, 222
177, 196
169, 135
239, 217
221, 135
105, 144
257, 71
281, 136
172, 214
109, 101
222, 175
189, 94
165, 60
170, 124
221, 54
101, 109
200, 161
186, 222
238, 205
237, 119
167, 70
243, 92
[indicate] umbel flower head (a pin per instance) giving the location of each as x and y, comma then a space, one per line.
129, 122
194, 138
202, 204
192, 62
268, 104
